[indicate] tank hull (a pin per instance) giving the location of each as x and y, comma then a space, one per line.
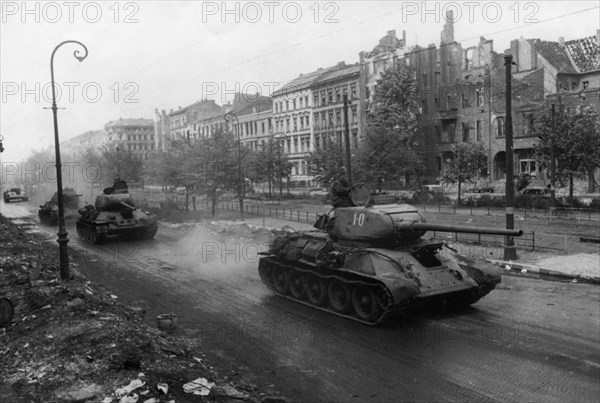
371, 285
101, 232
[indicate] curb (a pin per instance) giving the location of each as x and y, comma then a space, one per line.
530, 270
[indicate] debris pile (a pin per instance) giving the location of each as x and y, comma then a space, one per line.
74, 341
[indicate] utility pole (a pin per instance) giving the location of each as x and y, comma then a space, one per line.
510, 252
347, 140
552, 166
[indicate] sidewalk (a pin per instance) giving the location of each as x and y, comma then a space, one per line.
584, 267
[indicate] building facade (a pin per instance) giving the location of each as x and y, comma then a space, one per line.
328, 107
462, 93
134, 135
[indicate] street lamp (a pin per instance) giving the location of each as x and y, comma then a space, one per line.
227, 118
281, 143
62, 233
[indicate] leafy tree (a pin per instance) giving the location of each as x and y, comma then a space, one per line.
269, 164
389, 149
468, 160
576, 141
166, 168
112, 164
211, 165
326, 162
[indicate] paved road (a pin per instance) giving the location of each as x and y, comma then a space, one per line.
529, 340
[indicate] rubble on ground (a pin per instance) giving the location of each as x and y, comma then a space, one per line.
72, 341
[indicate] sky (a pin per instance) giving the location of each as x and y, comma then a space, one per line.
147, 55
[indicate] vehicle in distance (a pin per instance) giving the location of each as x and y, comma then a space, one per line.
14, 194
483, 189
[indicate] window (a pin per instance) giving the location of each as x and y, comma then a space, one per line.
479, 130
529, 123
499, 127
287, 105
438, 134
573, 86
586, 84
424, 79
465, 132
438, 161
437, 78
353, 91
451, 132
528, 166
294, 104
480, 97
465, 100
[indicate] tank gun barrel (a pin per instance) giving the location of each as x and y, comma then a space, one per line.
420, 226
126, 204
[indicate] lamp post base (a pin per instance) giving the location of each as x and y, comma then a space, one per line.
63, 253
510, 253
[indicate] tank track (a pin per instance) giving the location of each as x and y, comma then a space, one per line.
89, 232
388, 310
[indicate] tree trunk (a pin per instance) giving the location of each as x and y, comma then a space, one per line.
570, 190
213, 197
186, 199
591, 180
458, 203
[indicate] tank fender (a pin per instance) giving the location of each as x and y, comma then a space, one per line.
400, 288
481, 272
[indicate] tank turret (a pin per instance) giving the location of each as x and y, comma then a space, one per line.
48, 212
371, 263
392, 224
114, 216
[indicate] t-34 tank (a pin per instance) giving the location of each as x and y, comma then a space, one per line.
370, 263
48, 212
114, 216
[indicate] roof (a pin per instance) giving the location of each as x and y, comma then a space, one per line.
130, 122
205, 106
555, 54
303, 81
339, 73
585, 53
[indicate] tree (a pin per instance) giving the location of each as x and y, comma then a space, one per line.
326, 162
576, 142
269, 164
112, 164
468, 160
211, 165
389, 150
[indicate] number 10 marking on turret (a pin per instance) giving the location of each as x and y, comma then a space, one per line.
359, 219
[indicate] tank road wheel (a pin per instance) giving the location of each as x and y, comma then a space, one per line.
281, 280
316, 290
340, 296
366, 303
296, 284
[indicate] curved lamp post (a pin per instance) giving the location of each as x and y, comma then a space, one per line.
227, 118
62, 232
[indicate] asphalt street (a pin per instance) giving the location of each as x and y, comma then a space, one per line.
528, 340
